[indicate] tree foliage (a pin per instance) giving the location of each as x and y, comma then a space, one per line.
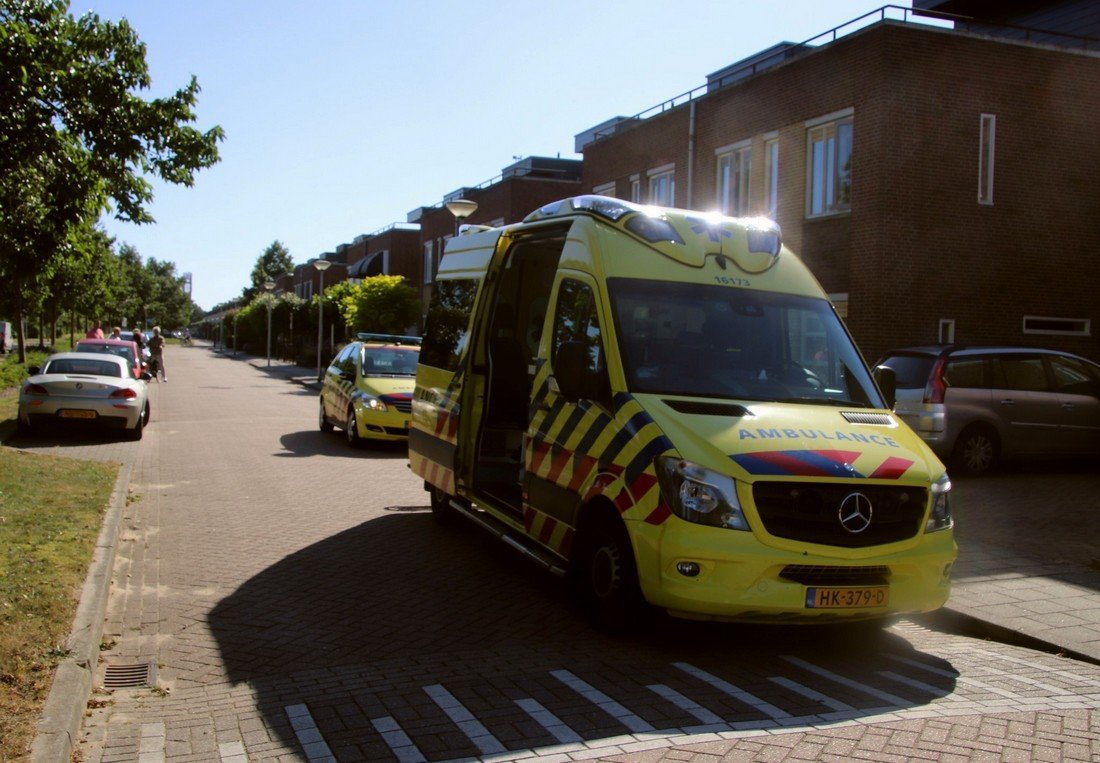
382, 304
76, 138
272, 263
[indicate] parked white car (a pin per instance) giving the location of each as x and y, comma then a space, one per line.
85, 388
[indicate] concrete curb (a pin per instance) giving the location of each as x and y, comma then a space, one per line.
59, 724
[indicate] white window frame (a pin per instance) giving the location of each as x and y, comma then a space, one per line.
987, 143
1084, 326
828, 186
947, 331
429, 262
733, 165
771, 175
636, 189
604, 189
662, 179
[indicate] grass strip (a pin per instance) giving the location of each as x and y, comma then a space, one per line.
51, 510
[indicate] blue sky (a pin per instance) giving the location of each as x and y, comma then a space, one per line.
342, 116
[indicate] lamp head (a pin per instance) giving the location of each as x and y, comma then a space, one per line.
461, 208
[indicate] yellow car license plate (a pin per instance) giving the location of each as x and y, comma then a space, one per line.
868, 597
70, 414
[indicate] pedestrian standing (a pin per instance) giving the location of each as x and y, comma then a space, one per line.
156, 349
116, 333
96, 331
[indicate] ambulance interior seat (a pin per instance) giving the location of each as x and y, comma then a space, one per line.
368, 363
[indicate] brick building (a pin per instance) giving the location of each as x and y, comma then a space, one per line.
938, 182
520, 189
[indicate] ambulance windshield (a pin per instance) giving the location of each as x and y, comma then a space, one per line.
725, 342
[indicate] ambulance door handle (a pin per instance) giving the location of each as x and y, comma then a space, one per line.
1008, 401
1068, 406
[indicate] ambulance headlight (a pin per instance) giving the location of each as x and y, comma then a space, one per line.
372, 403
699, 495
940, 516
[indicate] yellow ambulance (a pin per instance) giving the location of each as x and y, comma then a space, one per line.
665, 406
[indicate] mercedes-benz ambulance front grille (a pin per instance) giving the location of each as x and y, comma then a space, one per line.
403, 404
847, 515
820, 575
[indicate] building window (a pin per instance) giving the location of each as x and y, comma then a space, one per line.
830, 171
429, 262
985, 158
734, 164
662, 186
607, 189
947, 330
771, 176
1034, 324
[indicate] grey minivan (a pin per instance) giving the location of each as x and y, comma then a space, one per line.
976, 405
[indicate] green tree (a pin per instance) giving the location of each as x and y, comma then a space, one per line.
76, 138
274, 261
382, 304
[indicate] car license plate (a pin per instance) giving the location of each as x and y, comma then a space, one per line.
71, 414
868, 597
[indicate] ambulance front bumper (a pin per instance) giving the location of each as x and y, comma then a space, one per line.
713, 573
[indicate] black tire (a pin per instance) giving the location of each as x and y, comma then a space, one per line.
605, 576
977, 450
351, 429
442, 511
139, 431
322, 421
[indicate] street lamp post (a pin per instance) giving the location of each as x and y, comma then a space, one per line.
461, 209
269, 286
322, 266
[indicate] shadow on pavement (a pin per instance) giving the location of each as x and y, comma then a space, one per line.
367, 618
315, 442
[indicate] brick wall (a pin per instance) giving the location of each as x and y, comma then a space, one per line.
916, 246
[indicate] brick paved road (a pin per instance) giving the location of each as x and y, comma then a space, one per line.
300, 604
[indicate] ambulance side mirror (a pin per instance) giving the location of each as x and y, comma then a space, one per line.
887, 380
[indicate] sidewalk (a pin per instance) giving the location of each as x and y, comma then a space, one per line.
1044, 592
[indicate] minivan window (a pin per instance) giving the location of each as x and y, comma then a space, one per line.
1024, 373
1073, 376
912, 370
966, 372
724, 342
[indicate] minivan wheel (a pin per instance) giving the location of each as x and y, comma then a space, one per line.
605, 576
322, 421
977, 450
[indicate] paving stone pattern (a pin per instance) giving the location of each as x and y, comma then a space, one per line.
301, 604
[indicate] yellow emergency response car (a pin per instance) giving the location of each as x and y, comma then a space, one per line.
666, 406
367, 388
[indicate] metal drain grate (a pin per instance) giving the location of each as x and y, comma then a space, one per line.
130, 676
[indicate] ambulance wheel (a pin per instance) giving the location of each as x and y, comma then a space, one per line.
442, 512
605, 575
351, 430
323, 423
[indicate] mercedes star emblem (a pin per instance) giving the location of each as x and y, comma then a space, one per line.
855, 513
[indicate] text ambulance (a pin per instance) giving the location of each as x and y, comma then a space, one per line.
665, 405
